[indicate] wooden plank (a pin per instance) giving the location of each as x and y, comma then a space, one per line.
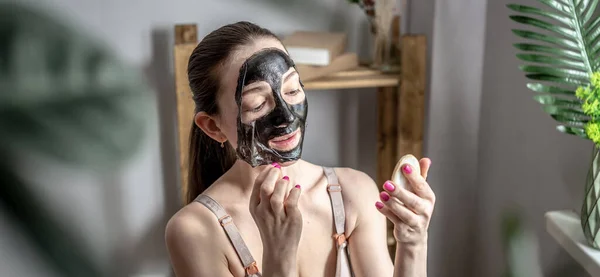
387, 137
387, 132
412, 95
349, 81
185, 42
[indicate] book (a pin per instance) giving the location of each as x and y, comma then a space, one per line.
315, 48
343, 62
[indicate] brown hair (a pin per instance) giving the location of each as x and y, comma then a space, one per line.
207, 160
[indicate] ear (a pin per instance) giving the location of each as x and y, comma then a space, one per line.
209, 126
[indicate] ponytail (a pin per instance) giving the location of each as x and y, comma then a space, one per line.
207, 162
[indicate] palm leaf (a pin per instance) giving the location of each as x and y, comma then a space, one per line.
560, 53
63, 96
577, 131
542, 88
549, 60
527, 47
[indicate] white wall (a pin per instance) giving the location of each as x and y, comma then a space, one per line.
123, 217
453, 130
492, 147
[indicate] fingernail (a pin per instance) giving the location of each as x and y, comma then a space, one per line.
379, 205
297, 186
286, 178
388, 186
384, 196
407, 169
276, 165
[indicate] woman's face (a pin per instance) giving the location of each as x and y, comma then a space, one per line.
262, 103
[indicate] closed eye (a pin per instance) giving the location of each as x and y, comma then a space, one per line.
257, 109
293, 92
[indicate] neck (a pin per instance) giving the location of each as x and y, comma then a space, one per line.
244, 174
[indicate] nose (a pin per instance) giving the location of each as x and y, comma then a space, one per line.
282, 115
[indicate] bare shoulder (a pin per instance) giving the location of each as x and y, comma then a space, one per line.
192, 222
357, 185
193, 239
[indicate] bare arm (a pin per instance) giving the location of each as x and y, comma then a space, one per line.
192, 249
367, 244
410, 211
411, 260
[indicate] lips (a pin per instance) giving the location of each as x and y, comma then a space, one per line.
285, 137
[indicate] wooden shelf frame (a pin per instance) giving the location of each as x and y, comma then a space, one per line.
400, 101
360, 77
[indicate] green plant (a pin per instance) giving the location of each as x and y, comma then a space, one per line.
590, 96
66, 98
562, 56
562, 52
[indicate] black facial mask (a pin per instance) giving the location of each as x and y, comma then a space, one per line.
268, 65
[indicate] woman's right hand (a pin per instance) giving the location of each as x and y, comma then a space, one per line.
278, 219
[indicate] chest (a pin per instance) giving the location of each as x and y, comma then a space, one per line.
316, 252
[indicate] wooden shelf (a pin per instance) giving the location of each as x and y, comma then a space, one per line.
360, 77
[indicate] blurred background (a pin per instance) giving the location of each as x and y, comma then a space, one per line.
492, 147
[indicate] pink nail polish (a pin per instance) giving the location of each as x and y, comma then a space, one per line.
379, 205
276, 165
407, 169
388, 186
297, 186
286, 178
384, 196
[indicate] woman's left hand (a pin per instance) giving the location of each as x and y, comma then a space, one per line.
409, 210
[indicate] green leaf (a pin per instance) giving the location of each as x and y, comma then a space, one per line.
58, 244
536, 11
558, 72
557, 5
580, 5
563, 102
541, 88
543, 25
64, 95
547, 49
593, 29
556, 79
569, 121
546, 38
566, 112
588, 12
552, 61
577, 131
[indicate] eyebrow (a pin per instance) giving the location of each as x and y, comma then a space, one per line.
257, 87
261, 86
293, 73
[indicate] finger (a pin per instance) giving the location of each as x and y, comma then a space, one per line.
402, 212
418, 183
278, 196
255, 196
425, 163
268, 185
387, 213
291, 203
409, 199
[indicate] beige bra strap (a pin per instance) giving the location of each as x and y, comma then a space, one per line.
337, 203
343, 267
232, 232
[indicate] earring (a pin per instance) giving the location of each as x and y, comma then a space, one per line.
222, 145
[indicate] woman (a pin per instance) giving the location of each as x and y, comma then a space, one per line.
254, 206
